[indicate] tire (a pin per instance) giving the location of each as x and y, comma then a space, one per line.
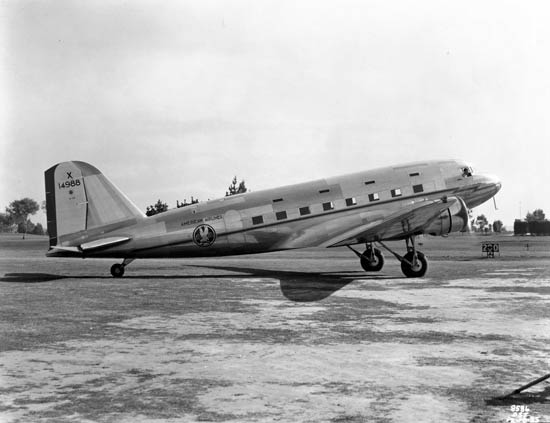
408, 271
117, 270
375, 265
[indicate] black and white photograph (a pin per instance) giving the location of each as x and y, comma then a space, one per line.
274, 211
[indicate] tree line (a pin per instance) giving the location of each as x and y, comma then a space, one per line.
160, 206
16, 217
481, 224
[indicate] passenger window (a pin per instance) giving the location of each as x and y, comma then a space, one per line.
374, 196
351, 201
418, 188
280, 215
304, 211
328, 206
396, 192
257, 220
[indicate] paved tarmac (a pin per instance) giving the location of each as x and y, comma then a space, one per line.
294, 336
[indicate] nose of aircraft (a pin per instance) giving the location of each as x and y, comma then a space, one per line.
487, 187
493, 182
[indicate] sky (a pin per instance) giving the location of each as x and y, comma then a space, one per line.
172, 99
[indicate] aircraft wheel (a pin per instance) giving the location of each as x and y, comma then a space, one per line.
117, 270
374, 265
419, 270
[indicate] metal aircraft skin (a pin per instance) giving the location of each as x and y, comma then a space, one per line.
89, 217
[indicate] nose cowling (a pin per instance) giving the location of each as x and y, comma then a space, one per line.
454, 219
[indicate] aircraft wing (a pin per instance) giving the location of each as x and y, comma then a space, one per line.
409, 220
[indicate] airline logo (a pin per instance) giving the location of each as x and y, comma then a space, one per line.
204, 235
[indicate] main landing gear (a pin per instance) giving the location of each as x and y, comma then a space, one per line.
372, 259
413, 264
117, 270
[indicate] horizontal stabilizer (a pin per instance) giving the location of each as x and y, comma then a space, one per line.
61, 251
103, 243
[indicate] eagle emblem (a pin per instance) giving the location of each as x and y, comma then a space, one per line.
204, 235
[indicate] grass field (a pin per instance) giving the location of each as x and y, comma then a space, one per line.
291, 336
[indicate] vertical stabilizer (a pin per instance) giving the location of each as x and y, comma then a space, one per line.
79, 198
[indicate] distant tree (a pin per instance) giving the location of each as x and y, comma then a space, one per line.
37, 230
537, 216
6, 222
19, 210
157, 208
185, 203
242, 188
26, 227
234, 189
498, 226
482, 221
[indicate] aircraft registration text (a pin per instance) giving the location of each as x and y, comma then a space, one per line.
69, 184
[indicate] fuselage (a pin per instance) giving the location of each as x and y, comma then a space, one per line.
303, 215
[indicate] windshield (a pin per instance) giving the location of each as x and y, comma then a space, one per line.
467, 171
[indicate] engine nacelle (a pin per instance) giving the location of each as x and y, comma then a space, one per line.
454, 219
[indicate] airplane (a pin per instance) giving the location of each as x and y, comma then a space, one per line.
88, 217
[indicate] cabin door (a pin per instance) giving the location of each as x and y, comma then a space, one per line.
234, 228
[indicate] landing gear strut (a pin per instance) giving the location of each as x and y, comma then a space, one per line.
117, 270
372, 260
414, 263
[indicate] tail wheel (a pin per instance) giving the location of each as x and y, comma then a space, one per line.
117, 270
419, 269
372, 261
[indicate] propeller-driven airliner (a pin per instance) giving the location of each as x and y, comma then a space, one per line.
88, 217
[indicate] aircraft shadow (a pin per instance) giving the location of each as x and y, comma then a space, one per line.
303, 286
30, 277
295, 286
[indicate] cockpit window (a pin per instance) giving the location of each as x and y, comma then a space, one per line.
467, 171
